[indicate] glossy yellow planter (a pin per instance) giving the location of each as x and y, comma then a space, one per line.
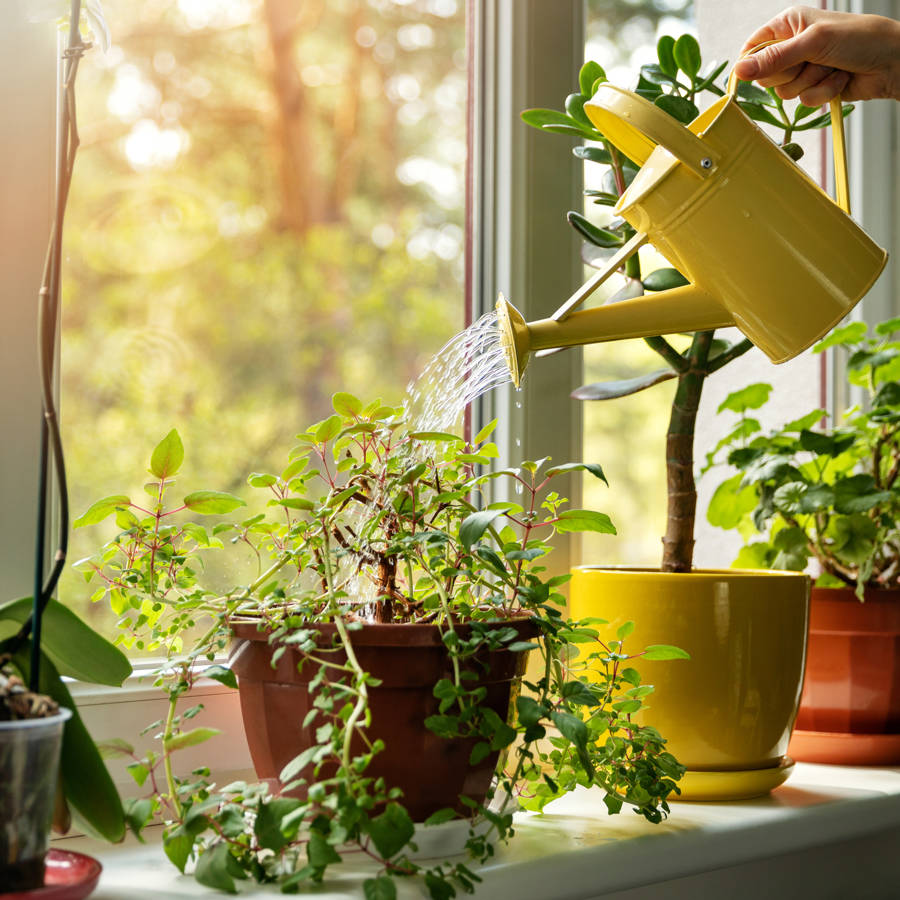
727, 713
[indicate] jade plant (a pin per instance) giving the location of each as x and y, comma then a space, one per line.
803, 492
677, 83
371, 521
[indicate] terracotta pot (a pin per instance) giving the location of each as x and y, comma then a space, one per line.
850, 708
409, 660
727, 712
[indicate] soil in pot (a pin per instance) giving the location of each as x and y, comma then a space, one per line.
850, 708
409, 659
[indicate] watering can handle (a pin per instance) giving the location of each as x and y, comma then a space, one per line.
839, 149
636, 126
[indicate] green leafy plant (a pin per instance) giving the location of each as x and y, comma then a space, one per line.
676, 83
370, 521
825, 494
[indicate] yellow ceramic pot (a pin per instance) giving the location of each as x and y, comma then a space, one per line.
727, 713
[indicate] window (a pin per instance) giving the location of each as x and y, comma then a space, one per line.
267, 208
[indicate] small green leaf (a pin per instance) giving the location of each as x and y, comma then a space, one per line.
540, 118
101, 510
751, 397
380, 888
168, 456
624, 630
346, 404
679, 108
594, 468
591, 72
664, 279
665, 48
328, 429
212, 869
480, 751
319, 852
844, 336
221, 674
575, 108
584, 520
138, 812
600, 237
593, 154
730, 503
177, 846
759, 113
611, 390
474, 526
529, 710
391, 831
261, 479
212, 503
665, 651
686, 54
446, 814
436, 436
189, 738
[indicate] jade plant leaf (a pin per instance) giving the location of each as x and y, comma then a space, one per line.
610, 390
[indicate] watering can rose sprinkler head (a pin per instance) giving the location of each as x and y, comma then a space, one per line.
513, 338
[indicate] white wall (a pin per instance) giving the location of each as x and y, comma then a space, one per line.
27, 58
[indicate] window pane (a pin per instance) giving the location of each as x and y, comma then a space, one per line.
267, 208
628, 435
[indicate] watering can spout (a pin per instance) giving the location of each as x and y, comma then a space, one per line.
687, 308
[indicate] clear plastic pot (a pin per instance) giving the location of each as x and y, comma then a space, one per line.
29, 768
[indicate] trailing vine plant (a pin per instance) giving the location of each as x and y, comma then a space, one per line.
676, 85
370, 521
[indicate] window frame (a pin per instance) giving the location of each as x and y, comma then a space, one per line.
519, 187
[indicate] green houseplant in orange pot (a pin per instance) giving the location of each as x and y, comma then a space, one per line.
739, 627
830, 496
379, 652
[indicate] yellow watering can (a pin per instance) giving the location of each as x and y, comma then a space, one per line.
763, 246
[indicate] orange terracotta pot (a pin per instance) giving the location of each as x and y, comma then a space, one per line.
850, 707
409, 660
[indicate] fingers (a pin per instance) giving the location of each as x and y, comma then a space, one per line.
826, 89
794, 81
778, 59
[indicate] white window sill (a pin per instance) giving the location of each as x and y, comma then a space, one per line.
829, 832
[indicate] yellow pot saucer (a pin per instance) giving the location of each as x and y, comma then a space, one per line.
710, 787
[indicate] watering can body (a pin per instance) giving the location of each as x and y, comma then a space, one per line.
764, 248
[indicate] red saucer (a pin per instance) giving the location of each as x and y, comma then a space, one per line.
69, 876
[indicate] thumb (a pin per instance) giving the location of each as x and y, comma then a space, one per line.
777, 57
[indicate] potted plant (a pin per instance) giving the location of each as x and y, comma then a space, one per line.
379, 653
49, 766
747, 755
830, 496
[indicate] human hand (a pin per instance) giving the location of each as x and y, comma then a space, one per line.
823, 54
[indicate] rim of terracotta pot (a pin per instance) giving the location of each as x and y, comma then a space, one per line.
394, 634
872, 594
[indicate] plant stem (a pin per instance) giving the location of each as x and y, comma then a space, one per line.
678, 542
167, 756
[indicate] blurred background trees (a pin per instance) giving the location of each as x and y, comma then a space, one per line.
269, 207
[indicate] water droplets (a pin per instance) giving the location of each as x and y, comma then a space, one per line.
467, 366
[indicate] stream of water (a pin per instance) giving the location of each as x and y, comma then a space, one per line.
470, 364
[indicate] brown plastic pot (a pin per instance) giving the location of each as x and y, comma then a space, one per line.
409, 660
850, 707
